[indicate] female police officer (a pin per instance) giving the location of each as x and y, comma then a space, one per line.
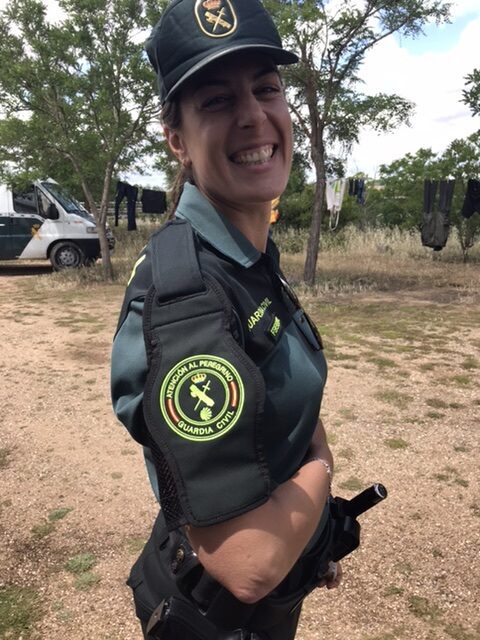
216, 369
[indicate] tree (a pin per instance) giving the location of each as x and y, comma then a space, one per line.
80, 92
471, 95
323, 88
402, 194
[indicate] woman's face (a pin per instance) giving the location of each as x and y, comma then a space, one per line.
236, 131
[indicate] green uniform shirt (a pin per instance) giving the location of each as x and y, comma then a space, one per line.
273, 331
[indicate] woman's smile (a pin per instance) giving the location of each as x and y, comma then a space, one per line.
260, 155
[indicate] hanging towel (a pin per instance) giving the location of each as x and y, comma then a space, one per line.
154, 201
335, 192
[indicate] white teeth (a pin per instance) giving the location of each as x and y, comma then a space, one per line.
260, 156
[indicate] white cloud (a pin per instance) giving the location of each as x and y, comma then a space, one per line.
463, 7
434, 82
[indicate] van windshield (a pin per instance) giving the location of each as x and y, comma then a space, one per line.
67, 201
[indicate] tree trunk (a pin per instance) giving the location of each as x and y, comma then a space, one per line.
99, 215
106, 261
315, 227
102, 223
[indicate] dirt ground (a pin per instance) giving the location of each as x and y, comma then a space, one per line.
401, 407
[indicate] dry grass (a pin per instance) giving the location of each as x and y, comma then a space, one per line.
349, 261
383, 260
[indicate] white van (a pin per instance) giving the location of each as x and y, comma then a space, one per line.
45, 222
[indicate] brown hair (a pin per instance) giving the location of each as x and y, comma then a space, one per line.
170, 116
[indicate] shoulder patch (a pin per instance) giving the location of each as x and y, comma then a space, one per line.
202, 397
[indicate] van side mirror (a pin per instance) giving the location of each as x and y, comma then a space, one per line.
52, 212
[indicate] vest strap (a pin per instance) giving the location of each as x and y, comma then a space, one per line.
175, 239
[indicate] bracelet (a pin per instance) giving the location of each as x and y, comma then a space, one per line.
327, 467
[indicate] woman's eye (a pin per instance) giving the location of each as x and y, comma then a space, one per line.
215, 102
268, 90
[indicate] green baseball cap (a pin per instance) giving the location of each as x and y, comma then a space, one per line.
193, 33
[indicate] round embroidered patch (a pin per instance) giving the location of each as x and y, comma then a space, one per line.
202, 397
216, 18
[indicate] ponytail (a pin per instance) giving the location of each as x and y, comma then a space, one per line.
170, 116
184, 175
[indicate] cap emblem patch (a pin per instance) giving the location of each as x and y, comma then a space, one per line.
216, 18
202, 398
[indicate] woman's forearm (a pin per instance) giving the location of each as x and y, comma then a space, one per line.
250, 555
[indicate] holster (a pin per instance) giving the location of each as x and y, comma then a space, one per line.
176, 619
201, 608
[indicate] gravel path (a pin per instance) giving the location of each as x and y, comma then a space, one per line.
76, 507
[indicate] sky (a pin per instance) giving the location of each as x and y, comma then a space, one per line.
428, 70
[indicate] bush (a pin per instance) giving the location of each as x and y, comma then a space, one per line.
290, 240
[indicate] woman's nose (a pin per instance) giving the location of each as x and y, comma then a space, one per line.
250, 112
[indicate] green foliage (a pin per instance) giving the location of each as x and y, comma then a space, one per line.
42, 530
396, 443
323, 88
296, 208
290, 239
81, 563
422, 608
394, 397
79, 96
296, 203
471, 95
19, 609
59, 514
135, 545
86, 580
80, 566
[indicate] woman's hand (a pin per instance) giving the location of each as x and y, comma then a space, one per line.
334, 576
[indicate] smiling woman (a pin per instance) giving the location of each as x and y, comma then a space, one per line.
216, 369
235, 135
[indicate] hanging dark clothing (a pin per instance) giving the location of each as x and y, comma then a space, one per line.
356, 189
154, 201
471, 204
445, 197
429, 194
360, 191
435, 227
125, 190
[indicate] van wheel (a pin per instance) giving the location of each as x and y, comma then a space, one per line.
66, 255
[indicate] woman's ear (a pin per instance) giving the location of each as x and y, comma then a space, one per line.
177, 146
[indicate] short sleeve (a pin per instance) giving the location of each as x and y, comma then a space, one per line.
129, 373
